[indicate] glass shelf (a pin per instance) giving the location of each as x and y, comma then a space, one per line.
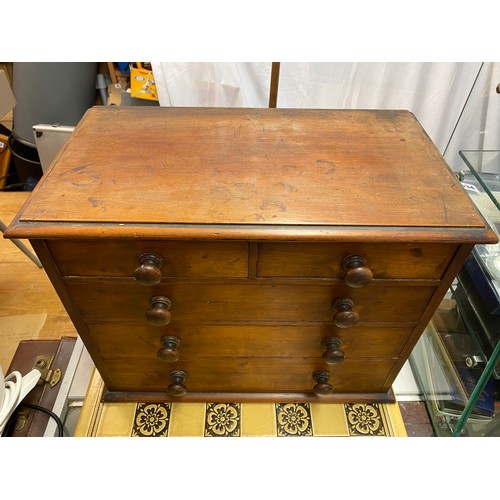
447, 364
481, 180
482, 184
481, 160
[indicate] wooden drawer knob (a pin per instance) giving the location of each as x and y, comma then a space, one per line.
357, 274
177, 387
333, 355
344, 316
322, 386
169, 353
149, 271
159, 314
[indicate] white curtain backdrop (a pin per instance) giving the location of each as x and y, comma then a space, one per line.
213, 84
455, 102
479, 123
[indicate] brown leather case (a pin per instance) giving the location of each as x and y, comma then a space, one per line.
32, 423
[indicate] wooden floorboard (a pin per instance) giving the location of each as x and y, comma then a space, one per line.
24, 287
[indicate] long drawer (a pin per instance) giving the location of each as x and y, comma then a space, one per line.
325, 260
251, 375
251, 301
125, 340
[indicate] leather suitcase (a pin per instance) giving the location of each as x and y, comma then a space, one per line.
51, 358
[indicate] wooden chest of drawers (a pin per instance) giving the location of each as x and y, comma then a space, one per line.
250, 254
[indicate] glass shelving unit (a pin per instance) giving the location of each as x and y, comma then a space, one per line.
456, 362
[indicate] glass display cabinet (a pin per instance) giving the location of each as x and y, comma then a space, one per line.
456, 362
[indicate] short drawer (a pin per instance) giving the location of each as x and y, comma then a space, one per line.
120, 258
325, 260
125, 340
249, 375
251, 301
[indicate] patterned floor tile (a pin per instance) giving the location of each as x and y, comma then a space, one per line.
223, 420
151, 420
364, 420
293, 419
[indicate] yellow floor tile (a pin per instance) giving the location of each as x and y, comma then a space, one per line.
394, 420
329, 420
258, 419
187, 420
116, 419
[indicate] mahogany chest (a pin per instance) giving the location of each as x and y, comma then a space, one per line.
209, 254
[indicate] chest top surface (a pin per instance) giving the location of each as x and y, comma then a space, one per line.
251, 167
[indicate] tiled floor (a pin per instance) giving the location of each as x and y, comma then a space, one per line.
228, 419
243, 420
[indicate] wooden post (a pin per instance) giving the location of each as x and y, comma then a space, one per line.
273, 92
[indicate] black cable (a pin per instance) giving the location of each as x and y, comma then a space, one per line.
13, 418
4, 130
18, 184
8, 175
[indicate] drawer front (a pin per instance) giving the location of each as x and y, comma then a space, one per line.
121, 258
325, 260
125, 340
252, 301
250, 375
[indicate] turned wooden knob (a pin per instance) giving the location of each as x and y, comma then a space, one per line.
333, 355
322, 386
177, 387
149, 271
159, 314
344, 316
169, 353
357, 274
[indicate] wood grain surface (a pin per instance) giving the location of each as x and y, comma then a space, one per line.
252, 166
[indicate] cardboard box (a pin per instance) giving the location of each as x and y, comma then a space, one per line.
7, 99
8, 67
114, 94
